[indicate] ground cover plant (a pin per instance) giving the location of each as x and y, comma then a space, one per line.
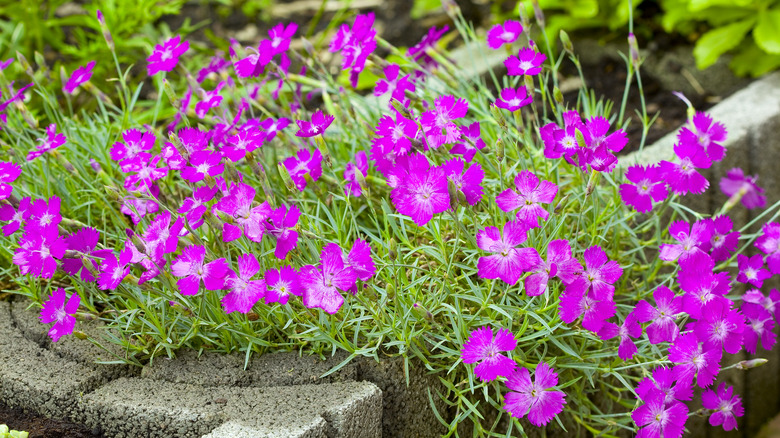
260, 203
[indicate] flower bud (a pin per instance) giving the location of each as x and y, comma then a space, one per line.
567, 45
286, 179
94, 165
80, 335
633, 49
452, 190
175, 102
496, 111
392, 250
529, 84
500, 150
25, 64
113, 193
558, 95
105, 31
252, 316
561, 203
401, 108
538, 14
752, 363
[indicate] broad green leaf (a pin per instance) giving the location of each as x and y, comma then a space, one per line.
767, 32
719, 41
698, 5
754, 62
584, 8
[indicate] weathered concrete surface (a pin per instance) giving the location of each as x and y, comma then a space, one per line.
153, 408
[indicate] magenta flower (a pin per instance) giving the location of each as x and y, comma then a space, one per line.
736, 181
282, 226
190, 265
281, 36
723, 241
304, 162
534, 398
562, 142
576, 302
769, 303
272, 126
422, 191
113, 270
84, 241
668, 382
682, 177
600, 146
512, 99
527, 62
136, 143
629, 329
79, 76
14, 217
600, 273
282, 283
202, 164
393, 141
418, 51
482, 347
468, 182
760, 326
319, 123
751, 270
395, 85
254, 63
145, 173
658, 419
166, 55
137, 208
162, 237
246, 140
705, 135
60, 313
193, 140
438, 123
352, 186
216, 66
506, 33
690, 238
51, 142
248, 219
38, 249
44, 215
321, 285
694, 359
209, 99
769, 244
560, 263
195, 206
8, 173
506, 262
355, 44
359, 259
662, 327
648, 187
720, 326
530, 193
726, 404
701, 284
244, 292
472, 142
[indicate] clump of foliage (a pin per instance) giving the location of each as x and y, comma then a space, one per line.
492, 237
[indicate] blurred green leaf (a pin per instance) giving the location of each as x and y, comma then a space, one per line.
718, 41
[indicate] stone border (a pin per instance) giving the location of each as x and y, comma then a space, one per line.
284, 395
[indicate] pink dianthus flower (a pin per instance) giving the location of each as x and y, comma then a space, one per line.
56, 310
506, 33
534, 398
486, 349
165, 56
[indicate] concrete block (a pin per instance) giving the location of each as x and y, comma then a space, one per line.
39, 380
69, 347
152, 408
276, 369
407, 411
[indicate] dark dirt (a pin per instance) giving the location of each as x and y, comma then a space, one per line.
41, 427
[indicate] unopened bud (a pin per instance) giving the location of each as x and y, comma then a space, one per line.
561, 203
252, 316
452, 189
538, 14
633, 49
286, 179
105, 31
566, 41
524, 19
496, 111
392, 250
399, 106
25, 64
500, 150
138, 243
529, 84
175, 102
752, 363
113, 193
558, 95
80, 335
451, 8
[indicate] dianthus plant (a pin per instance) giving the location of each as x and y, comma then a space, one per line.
491, 233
